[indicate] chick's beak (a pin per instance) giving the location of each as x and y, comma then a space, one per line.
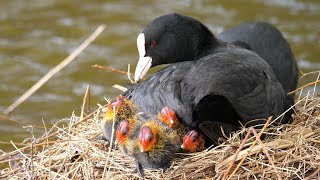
171, 120
144, 62
182, 146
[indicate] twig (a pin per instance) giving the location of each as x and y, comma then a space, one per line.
17, 144
31, 157
109, 68
86, 101
47, 140
14, 121
128, 74
116, 70
111, 141
309, 84
315, 85
121, 88
54, 70
306, 74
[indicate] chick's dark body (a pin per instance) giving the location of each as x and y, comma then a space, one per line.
157, 158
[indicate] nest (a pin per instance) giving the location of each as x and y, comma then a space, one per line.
74, 151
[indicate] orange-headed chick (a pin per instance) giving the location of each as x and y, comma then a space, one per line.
119, 110
193, 141
125, 131
154, 145
169, 117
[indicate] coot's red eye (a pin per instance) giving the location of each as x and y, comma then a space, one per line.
153, 43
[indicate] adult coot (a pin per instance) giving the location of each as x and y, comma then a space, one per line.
208, 79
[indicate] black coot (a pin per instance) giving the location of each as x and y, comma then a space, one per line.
208, 79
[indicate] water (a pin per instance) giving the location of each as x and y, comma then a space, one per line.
36, 35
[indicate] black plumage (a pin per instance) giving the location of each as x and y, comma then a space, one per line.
268, 42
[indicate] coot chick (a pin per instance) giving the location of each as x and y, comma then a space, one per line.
208, 80
154, 145
193, 141
125, 130
169, 117
120, 109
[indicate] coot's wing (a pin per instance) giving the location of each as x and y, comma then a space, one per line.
268, 42
240, 76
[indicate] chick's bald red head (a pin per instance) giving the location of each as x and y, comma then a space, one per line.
146, 139
169, 117
122, 131
193, 142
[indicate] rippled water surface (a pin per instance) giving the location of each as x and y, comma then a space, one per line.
36, 35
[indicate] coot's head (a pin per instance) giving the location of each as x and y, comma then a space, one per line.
171, 38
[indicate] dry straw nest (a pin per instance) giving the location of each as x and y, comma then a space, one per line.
74, 151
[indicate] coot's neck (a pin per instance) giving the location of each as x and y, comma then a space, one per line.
215, 46
207, 44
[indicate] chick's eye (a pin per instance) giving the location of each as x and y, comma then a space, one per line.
153, 43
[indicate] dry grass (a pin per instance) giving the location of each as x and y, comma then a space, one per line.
75, 152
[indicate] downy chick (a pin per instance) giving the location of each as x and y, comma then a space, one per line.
120, 109
154, 144
126, 131
215, 132
193, 141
